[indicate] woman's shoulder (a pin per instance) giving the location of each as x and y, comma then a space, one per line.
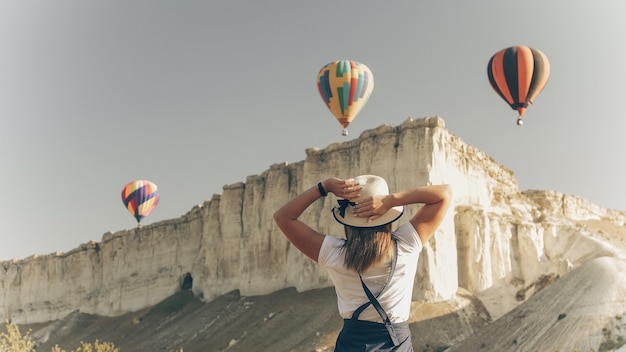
408, 234
330, 249
331, 240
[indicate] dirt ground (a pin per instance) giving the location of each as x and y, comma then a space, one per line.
285, 320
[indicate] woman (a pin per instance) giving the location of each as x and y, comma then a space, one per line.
374, 268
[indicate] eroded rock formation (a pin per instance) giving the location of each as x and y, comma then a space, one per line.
497, 242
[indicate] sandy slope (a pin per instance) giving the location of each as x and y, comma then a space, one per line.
282, 321
582, 311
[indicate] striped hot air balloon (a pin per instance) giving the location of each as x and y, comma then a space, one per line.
140, 197
345, 87
518, 74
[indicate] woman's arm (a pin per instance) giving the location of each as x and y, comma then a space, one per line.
436, 200
306, 239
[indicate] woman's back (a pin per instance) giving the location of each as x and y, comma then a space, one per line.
367, 203
396, 298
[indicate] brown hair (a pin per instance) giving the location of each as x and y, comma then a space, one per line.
366, 247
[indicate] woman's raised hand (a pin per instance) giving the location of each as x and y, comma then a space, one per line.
371, 207
341, 188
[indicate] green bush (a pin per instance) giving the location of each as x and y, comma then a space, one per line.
14, 341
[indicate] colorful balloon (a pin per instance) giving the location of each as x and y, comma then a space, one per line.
518, 74
140, 197
345, 87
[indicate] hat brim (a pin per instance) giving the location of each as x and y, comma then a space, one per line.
349, 219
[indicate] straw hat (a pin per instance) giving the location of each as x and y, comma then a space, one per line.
371, 185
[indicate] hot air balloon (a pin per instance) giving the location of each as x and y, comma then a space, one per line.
140, 197
518, 74
345, 87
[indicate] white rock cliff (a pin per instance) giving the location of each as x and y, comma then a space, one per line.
497, 242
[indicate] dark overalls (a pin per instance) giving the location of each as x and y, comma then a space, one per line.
368, 336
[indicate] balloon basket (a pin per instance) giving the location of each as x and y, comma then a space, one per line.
520, 121
344, 132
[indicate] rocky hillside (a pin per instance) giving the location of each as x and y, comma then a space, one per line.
223, 277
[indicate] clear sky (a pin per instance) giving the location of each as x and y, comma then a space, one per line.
194, 95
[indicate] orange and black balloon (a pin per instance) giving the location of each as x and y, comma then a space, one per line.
140, 197
518, 74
